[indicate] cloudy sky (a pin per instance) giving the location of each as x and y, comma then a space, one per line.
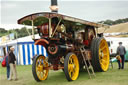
91, 10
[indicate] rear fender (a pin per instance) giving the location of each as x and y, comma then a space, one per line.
42, 42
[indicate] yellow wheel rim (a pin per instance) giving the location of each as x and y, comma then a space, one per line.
104, 55
41, 64
73, 67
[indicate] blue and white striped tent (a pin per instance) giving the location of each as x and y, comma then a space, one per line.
24, 50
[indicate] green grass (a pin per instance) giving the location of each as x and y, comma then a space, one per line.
25, 77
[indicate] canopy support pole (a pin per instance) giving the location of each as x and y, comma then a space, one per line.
33, 36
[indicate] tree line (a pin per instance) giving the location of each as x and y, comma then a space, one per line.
111, 22
23, 32
18, 32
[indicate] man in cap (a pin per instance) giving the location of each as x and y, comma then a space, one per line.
12, 63
121, 51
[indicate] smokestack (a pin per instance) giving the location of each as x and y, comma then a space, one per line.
54, 7
53, 2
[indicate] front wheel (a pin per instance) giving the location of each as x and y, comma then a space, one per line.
71, 67
39, 68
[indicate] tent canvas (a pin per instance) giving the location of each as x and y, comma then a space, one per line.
24, 50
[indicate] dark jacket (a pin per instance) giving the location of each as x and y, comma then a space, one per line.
121, 50
11, 58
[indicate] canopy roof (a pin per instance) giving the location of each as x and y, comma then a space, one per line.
43, 17
19, 40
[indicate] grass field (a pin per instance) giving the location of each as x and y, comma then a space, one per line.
25, 77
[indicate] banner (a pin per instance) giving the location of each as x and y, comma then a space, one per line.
4, 39
11, 36
0, 40
7, 38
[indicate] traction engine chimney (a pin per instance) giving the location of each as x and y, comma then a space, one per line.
54, 6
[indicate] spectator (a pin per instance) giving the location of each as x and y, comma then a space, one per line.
12, 63
121, 51
7, 66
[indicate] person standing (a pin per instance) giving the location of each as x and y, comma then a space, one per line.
121, 51
7, 66
12, 63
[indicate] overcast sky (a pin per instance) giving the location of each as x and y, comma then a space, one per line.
91, 10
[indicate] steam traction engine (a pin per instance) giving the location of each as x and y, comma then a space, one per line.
62, 36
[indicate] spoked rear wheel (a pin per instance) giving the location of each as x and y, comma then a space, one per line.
39, 68
104, 55
100, 54
71, 67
